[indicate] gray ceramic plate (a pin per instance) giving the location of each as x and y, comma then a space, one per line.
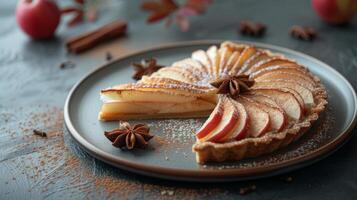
169, 155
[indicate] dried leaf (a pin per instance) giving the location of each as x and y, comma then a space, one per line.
168, 9
159, 9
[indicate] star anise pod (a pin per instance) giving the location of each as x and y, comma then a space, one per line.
303, 33
129, 137
145, 67
252, 28
233, 85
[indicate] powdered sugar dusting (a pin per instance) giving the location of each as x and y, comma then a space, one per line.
178, 136
177, 133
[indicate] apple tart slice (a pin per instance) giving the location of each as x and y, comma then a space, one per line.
157, 98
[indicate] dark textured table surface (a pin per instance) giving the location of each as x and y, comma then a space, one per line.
33, 89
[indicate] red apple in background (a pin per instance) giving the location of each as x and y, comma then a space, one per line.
38, 18
335, 11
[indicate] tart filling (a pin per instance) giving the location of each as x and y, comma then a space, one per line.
146, 100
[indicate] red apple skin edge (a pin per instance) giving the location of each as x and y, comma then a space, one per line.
38, 18
211, 122
231, 124
335, 12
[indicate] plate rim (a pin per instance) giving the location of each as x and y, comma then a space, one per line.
210, 174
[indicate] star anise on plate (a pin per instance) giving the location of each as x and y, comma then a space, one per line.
252, 28
145, 67
129, 137
303, 33
233, 85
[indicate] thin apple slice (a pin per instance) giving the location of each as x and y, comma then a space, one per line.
215, 56
285, 89
202, 57
230, 63
244, 56
228, 121
277, 61
241, 128
263, 99
289, 69
285, 100
287, 76
196, 68
233, 46
176, 73
277, 116
304, 92
226, 54
212, 121
259, 119
256, 60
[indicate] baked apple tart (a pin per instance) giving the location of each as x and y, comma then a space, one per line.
256, 101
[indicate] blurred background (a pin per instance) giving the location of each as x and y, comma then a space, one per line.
37, 70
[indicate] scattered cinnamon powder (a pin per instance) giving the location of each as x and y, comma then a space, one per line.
248, 189
57, 164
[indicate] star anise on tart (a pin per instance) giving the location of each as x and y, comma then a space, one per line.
129, 137
233, 85
145, 67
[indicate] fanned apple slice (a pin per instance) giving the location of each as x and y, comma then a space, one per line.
215, 56
164, 85
212, 121
256, 60
228, 121
241, 128
276, 61
284, 69
304, 92
285, 100
278, 118
243, 57
259, 119
230, 63
287, 76
234, 46
226, 54
284, 89
195, 67
202, 57
176, 73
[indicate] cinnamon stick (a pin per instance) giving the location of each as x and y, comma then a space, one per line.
92, 38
